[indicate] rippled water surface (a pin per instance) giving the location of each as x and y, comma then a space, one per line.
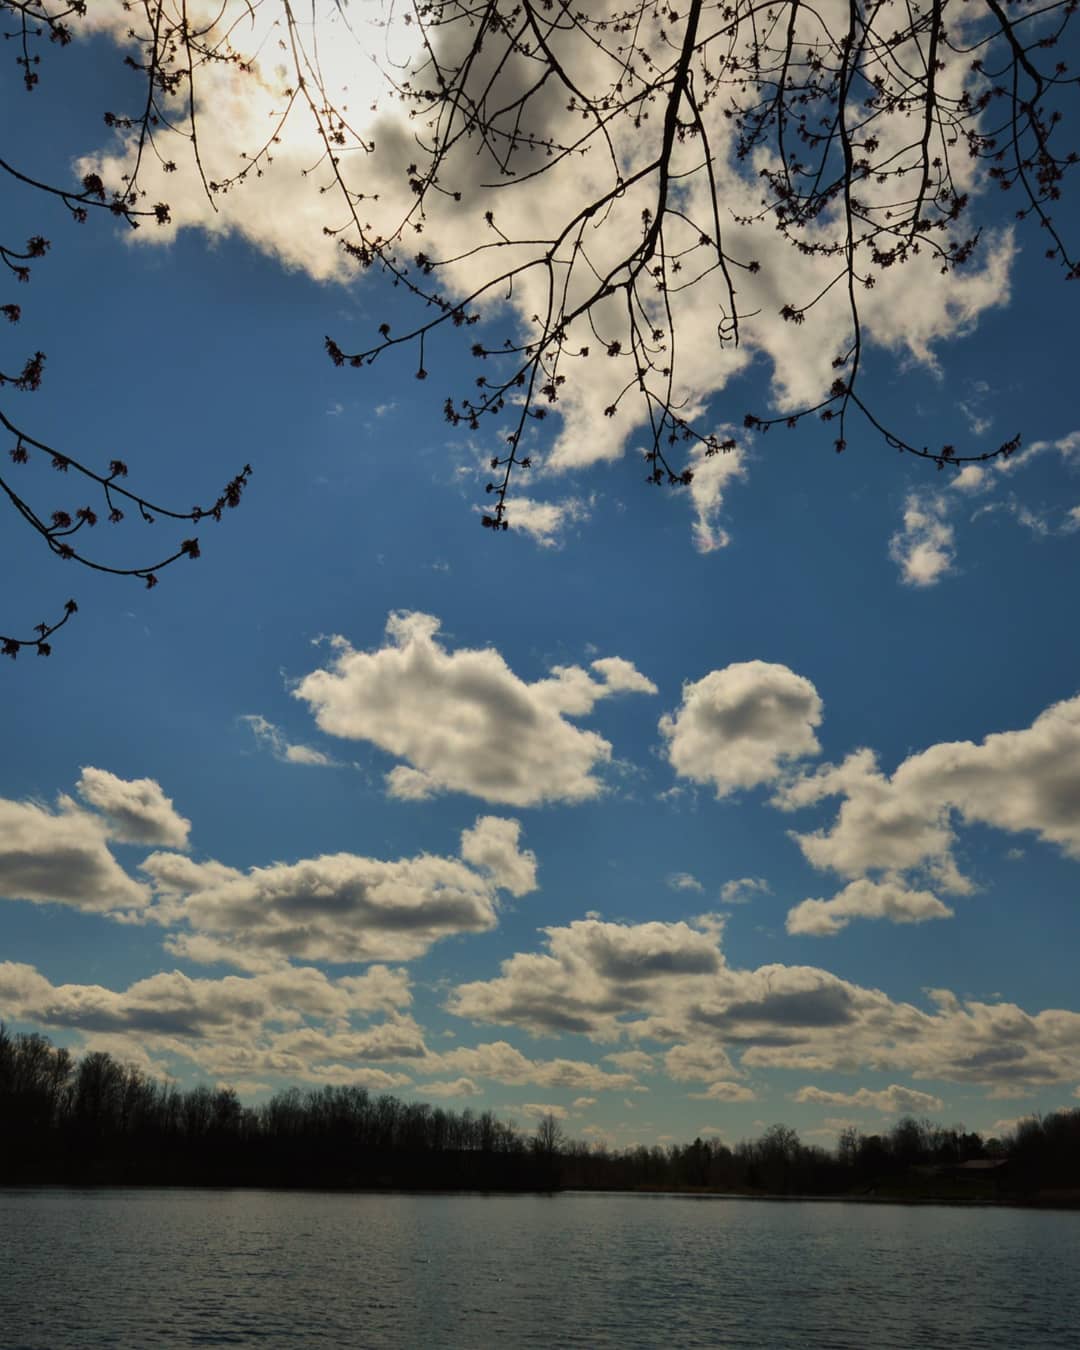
145, 1268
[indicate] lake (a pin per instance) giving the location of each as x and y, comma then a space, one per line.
149, 1268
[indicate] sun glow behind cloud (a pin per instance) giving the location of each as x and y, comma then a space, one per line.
286, 206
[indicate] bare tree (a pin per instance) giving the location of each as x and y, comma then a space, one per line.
549, 1137
614, 172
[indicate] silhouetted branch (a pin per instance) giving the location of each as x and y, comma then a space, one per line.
676, 141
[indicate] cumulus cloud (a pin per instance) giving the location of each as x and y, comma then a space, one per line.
272, 738
291, 1023
546, 522
173, 1005
538, 1110
457, 1087
865, 899
698, 1062
62, 857
463, 721
379, 989
591, 971
1025, 781
375, 1080
740, 726
924, 548
393, 1040
664, 988
137, 809
895, 1100
877, 828
283, 211
343, 906
684, 881
633, 1061
506, 1064
669, 984
726, 1092
492, 844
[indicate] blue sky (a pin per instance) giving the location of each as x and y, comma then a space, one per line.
671, 830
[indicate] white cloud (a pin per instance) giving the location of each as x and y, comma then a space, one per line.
895, 1100
1044, 520
712, 477
864, 899
726, 1092
973, 478
283, 210
878, 827
62, 857
545, 522
375, 1080
505, 1064
171, 1006
339, 907
137, 809
740, 889
698, 1062
684, 881
538, 1110
1017, 781
392, 1040
592, 971
274, 739
583, 1103
924, 547
740, 726
669, 984
632, 1061
343, 907
492, 843
463, 721
457, 1087
379, 989
1067, 448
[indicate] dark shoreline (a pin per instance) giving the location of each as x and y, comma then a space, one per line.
97, 1122
1064, 1202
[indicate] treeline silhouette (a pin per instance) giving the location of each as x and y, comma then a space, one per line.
95, 1120
915, 1159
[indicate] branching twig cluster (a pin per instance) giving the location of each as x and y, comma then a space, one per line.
664, 146
870, 125
166, 60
